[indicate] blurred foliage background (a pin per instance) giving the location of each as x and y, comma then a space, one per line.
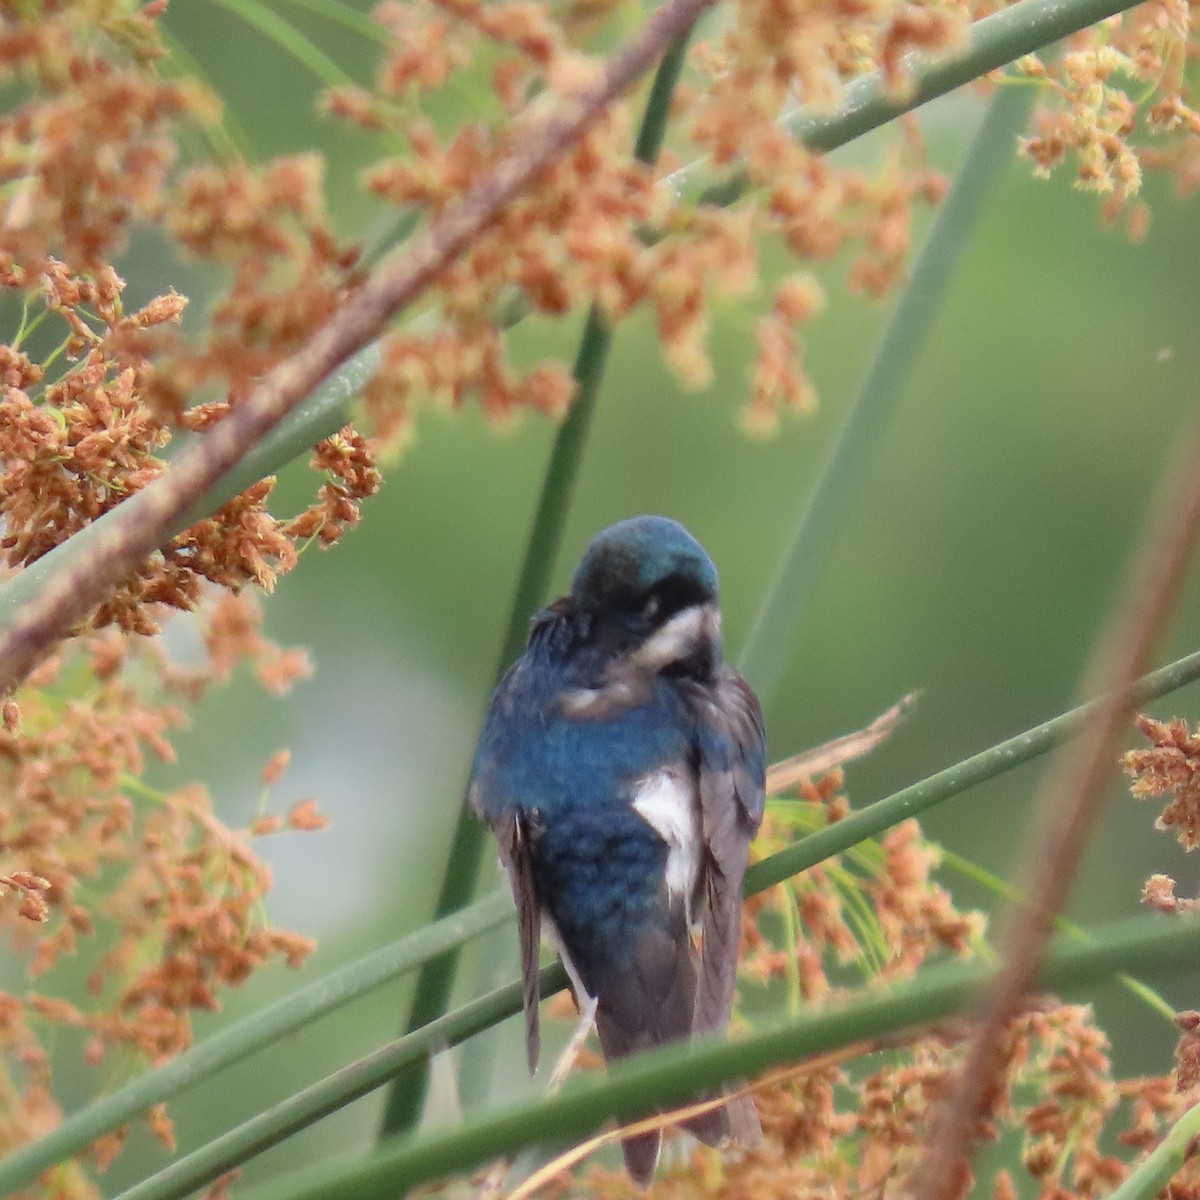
976, 565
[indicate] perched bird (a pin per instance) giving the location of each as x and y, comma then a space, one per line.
621, 767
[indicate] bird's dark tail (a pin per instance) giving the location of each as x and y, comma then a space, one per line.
641, 1156
618, 1038
649, 1004
737, 1121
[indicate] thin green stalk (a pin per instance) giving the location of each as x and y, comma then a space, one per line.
669, 1076
335, 1091
225, 134
1158, 1168
767, 652
29, 325
289, 39
236, 1042
407, 1094
992, 42
1001, 887
348, 18
916, 798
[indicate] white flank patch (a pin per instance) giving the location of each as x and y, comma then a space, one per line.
666, 801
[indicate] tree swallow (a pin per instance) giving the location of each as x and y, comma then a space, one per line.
622, 768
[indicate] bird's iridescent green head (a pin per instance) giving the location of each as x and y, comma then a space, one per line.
650, 566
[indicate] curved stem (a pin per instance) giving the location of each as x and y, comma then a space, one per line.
658, 1079
1155, 1171
772, 637
289, 39
236, 1042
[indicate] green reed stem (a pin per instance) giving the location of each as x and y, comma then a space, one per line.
406, 1096
656, 1080
773, 635
1155, 1171
236, 1042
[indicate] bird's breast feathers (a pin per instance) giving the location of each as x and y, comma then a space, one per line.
690, 640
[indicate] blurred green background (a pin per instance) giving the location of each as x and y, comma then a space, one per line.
977, 563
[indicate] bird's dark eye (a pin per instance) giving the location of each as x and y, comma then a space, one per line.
672, 594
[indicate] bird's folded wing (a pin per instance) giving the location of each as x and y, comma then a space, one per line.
731, 786
512, 836
519, 861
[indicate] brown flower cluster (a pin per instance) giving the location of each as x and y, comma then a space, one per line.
1117, 103
149, 890
581, 236
1120, 102
91, 153
776, 55
28, 889
287, 273
73, 447
875, 908
1170, 767
90, 150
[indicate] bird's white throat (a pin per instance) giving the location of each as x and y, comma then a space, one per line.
680, 637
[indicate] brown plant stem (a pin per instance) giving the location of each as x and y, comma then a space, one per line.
787, 773
1069, 800
145, 519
